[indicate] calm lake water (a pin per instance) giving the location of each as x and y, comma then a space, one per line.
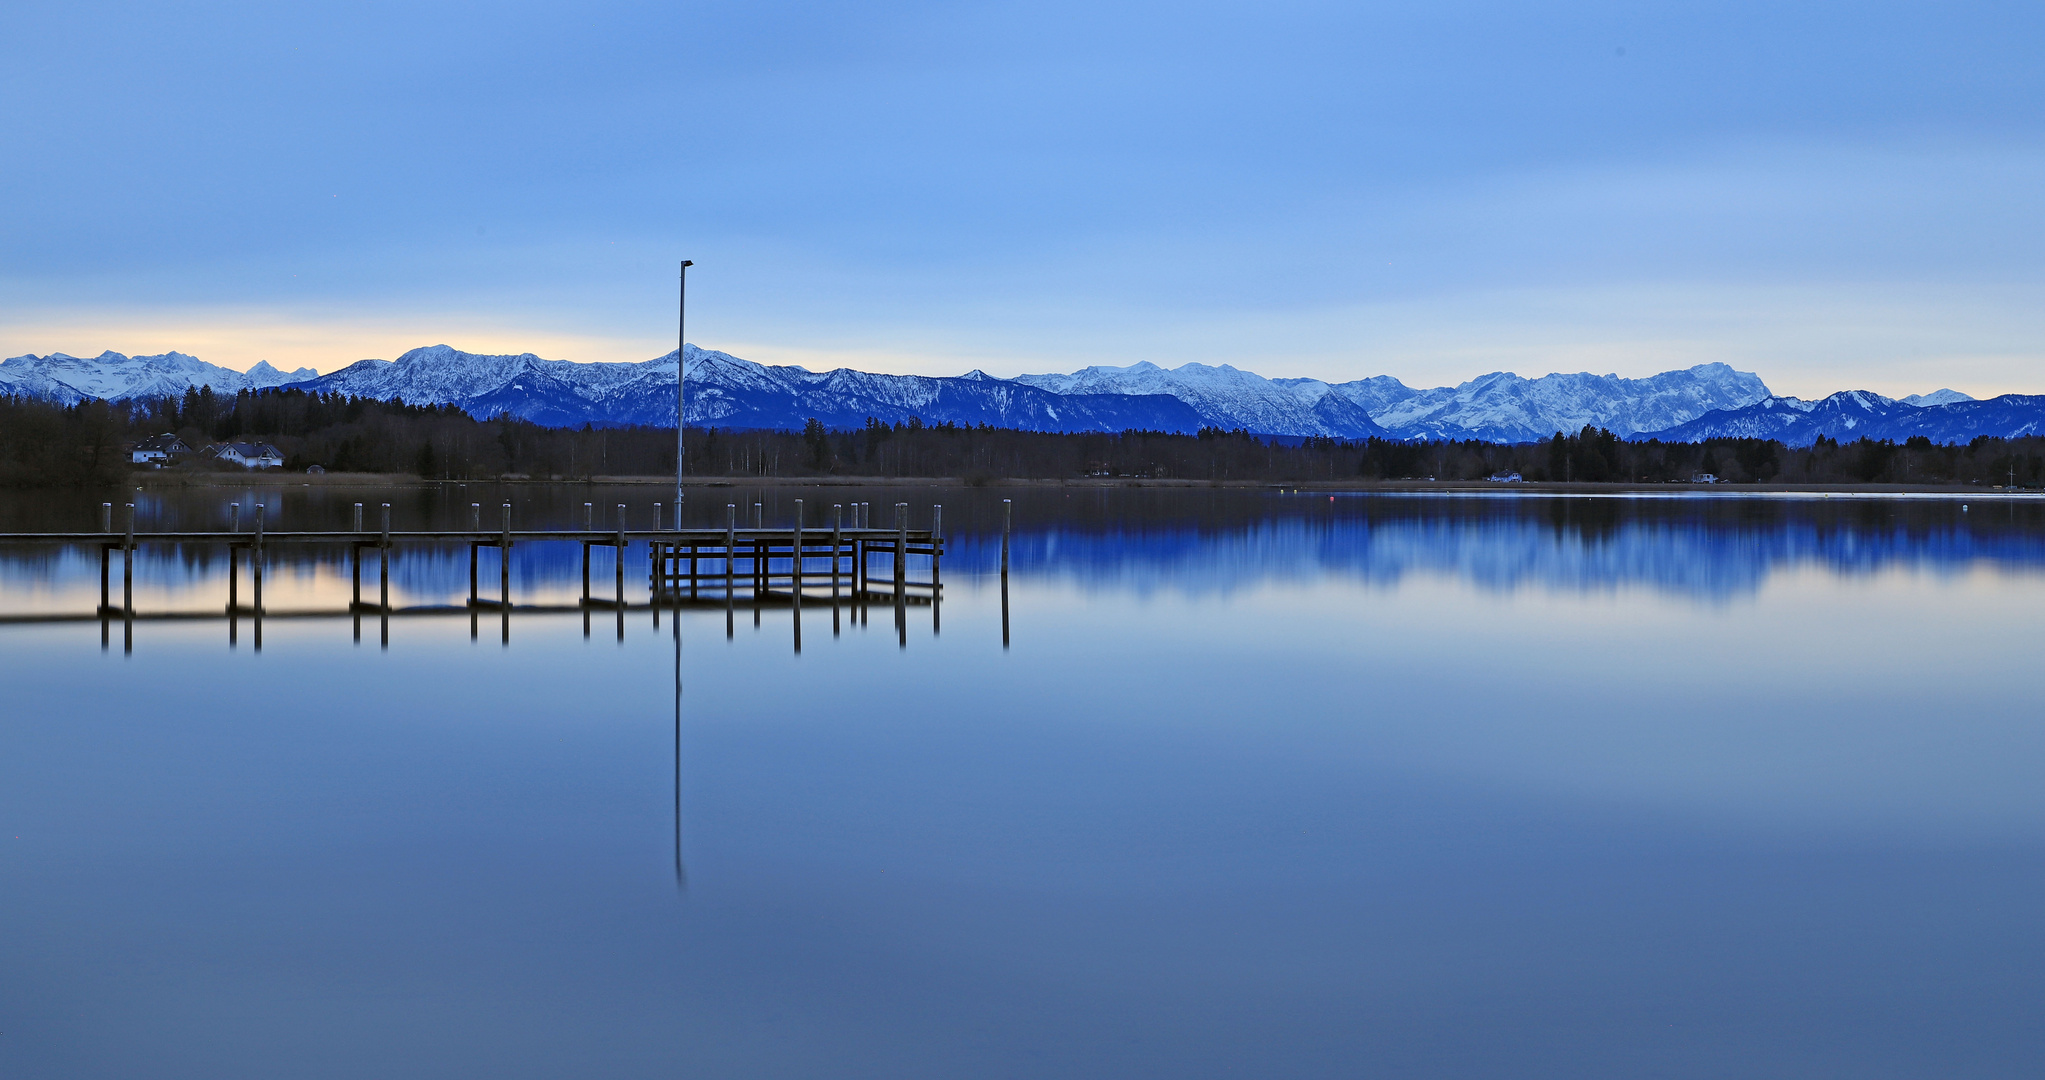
1263, 784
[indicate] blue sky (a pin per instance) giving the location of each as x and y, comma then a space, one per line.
1834, 195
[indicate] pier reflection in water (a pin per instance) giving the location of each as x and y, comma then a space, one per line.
683, 567
1265, 784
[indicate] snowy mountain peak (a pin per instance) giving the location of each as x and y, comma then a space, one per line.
1706, 400
112, 376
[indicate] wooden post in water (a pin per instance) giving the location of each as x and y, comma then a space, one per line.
795, 576
128, 565
588, 526
902, 573
504, 564
618, 563
106, 525
936, 547
730, 551
383, 561
1006, 507
795, 557
256, 573
901, 547
837, 545
233, 567
759, 561
355, 568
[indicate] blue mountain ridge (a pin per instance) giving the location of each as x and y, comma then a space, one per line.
1862, 414
1709, 400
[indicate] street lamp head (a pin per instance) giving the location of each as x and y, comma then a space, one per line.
688, 263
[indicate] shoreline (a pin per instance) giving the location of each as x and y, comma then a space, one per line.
401, 480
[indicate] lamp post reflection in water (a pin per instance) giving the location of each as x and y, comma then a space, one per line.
681, 874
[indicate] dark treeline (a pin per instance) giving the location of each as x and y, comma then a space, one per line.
45, 443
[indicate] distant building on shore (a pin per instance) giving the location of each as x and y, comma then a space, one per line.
250, 455
159, 450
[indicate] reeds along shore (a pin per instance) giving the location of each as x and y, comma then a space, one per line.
47, 444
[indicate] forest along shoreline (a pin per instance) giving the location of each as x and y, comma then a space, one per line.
278, 479
201, 438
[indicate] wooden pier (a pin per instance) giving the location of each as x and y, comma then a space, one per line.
753, 563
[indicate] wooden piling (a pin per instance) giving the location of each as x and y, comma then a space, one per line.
106, 525
128, 565
901, 548
355, 570
1006, 513
795, 557
383, 561
504, 567
256, 574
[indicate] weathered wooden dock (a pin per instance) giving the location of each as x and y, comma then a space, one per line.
746, 563
684, 567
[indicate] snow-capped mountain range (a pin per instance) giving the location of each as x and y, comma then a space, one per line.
1943, 417
113, 377
725, 391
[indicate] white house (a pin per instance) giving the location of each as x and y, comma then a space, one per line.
158, 449
250, 455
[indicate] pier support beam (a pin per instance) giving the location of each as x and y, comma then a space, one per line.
128, 565
383, 551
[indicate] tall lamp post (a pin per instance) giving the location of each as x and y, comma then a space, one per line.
681, 377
